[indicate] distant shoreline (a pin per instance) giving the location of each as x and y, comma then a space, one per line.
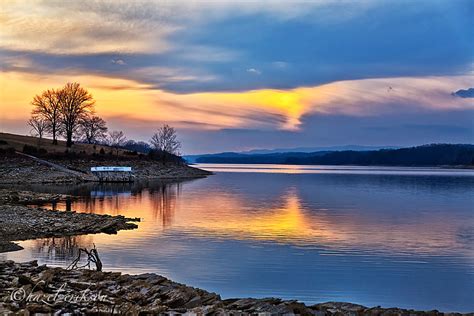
466, 167
434, 155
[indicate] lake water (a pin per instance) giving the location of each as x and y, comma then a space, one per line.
370, 235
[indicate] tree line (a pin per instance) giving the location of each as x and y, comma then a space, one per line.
426, 155
68, 112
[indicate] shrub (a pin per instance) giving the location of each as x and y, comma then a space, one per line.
164, 156
7, 151
130, 153
31, 150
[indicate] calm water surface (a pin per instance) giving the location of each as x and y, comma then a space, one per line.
371, 235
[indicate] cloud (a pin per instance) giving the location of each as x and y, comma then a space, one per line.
58, 27
203, 39
90, 27
118, 61
265, 109
464, 93
254, 71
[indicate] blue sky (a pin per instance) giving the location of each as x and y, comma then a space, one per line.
243, 75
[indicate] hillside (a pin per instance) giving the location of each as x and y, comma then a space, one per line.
58, 164
18, 142
426, 155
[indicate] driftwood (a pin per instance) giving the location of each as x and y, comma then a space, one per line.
92, 257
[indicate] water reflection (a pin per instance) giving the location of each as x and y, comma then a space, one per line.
314, 237
61, 249
293, 214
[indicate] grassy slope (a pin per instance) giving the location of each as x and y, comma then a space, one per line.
18, 141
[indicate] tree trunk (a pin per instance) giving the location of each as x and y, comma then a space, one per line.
69, 139
55, 141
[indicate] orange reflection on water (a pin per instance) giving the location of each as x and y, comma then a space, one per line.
286, 220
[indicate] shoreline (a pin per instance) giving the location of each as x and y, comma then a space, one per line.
29, 288
23, 169
20, 222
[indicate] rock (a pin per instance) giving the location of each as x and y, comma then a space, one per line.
194, 302
24, 280
47, 276
38, 308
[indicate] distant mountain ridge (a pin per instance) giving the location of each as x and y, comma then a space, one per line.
315, 149
193, 158
425, 155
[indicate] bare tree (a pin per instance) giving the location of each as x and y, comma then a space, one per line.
93, 129
116, 140
75, 102
38, 127
47, 106
166, 139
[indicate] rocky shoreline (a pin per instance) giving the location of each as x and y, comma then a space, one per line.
21, 222
19, 169
26, 288
142, 169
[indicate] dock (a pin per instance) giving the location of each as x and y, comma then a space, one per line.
113, 174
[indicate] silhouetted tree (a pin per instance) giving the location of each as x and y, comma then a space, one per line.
116, 140
75, 102
38, 127
93, 129
166, 139
47, 106
138, 146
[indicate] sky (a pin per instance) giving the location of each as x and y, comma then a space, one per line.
242, 75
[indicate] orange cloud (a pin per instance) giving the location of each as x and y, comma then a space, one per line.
261, 109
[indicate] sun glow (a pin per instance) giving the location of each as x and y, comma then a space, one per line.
124, 102
127, 99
